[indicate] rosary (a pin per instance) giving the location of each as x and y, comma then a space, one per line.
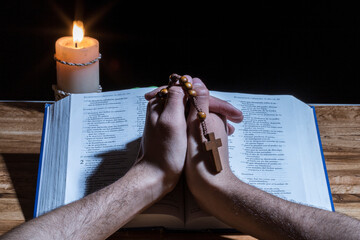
212, 144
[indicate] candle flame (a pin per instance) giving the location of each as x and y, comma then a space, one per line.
78, 32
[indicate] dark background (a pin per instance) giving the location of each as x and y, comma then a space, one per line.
309, 49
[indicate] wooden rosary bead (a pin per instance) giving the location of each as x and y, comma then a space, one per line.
164, 91
192, 93
188, 85
183, 79
174, 77
201, 116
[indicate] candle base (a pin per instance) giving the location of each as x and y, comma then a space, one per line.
60, 94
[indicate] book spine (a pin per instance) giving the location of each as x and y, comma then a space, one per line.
323, 159
47, 105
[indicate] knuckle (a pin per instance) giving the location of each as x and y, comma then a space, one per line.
200, 88
202, 91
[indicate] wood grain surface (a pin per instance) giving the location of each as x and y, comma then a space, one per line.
20, 139
339, 128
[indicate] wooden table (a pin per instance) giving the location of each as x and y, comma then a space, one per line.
20, 137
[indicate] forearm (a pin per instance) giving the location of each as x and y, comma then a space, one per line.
99, 214
267, 217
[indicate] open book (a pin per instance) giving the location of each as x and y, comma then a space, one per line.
91, 140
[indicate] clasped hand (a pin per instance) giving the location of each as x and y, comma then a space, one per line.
172, 142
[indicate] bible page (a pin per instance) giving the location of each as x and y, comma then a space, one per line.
104, 136
276, 148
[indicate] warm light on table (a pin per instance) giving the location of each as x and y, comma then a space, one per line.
77, 50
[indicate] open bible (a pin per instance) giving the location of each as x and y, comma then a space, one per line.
91, 140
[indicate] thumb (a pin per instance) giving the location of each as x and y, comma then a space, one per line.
174, 109
175, 102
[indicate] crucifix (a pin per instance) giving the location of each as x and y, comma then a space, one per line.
212, 145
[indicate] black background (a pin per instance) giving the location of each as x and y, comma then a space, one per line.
309, 49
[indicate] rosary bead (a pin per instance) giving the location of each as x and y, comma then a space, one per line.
192, 93
164, 91
174, 77
184, 79
201, 116
188, 85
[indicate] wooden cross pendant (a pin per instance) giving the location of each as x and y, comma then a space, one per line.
213, 145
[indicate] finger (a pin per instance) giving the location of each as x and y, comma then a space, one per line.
154, 107
230, 129
152, 94
153, 110
222, 107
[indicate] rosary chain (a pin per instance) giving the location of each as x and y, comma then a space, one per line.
202, 123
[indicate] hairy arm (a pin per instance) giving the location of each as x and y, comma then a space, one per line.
100, 214
265, 216
245, 207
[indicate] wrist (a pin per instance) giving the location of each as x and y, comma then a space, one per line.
204, 184
155, 182
208, 191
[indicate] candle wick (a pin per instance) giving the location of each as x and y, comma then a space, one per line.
76, 45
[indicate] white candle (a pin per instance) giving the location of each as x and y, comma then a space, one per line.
77, 79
